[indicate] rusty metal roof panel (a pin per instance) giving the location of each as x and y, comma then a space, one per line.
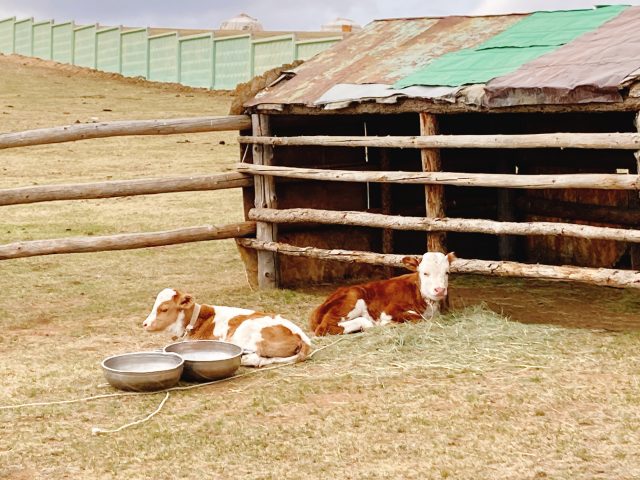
382, 53
592, 68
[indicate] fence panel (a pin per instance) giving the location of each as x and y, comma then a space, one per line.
270, 53
232, 61
7, 27
62, 42
196, 61
108, 50
309, 48
84, 46
23, 37
163, 58
133, 52
42, 39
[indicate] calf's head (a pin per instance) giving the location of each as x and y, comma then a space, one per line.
169, 307
433, 273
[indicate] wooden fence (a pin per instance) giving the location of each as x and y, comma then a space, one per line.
435, 221
263, 219
122, 188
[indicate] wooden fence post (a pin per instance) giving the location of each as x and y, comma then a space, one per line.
434, 194
634, 202
386, 204
265, 197
506, 212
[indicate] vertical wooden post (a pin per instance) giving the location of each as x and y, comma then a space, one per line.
385, 193
506, 213
634, 202
434, 194
265, 197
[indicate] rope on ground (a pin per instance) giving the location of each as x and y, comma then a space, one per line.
98, 430
173, 389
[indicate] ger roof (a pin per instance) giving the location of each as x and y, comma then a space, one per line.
574, 56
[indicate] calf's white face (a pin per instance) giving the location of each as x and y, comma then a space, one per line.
433, 273
168, 307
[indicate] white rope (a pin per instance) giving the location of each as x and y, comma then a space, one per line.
98, 430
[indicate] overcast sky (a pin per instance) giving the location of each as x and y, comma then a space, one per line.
274, 14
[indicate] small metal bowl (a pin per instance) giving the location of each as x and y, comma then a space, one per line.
143, 371
206, 360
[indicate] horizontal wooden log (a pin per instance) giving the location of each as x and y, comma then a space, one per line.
465, 225
597, 276
85, 131
579, 211
122, 188
604, 181
619, 141
127, 241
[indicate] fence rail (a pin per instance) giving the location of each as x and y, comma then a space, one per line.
464, 225
126, 241
122, 188
598, 276
608, 141
86, 131
603, 181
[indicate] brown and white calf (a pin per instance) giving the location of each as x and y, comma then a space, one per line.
265, 338
410, 297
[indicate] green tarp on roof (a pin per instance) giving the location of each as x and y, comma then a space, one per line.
535, 35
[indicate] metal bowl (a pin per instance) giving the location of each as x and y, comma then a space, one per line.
207, 360
143, 371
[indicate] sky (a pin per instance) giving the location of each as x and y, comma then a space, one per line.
273, 14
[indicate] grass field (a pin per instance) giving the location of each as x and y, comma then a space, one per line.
471, 395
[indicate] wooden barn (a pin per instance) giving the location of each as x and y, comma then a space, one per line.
391, 141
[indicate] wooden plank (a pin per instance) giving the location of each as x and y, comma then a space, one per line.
265, 197
506, 213
125, 241
386, 205
433, 193
462, 225
619, 141
85, 131
579, 211
634, 202
596, 276
122, 188
584, 180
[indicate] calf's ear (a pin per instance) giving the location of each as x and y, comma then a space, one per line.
410, 263
451, 256
185, 301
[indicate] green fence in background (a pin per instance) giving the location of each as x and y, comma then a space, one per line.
62, 42
23, 37
203, 60
163, 58
232, 59
42, 39
133, 51
84, 46
195, 55
108, 49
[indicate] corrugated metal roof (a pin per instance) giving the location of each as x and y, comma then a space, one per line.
383, 52
366, 65
591, 68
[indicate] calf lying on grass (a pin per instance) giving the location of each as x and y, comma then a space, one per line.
265, 338
410, 297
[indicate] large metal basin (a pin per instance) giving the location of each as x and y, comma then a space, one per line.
206, 360
143, 371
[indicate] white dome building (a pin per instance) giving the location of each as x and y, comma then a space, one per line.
341, 25
242, 22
